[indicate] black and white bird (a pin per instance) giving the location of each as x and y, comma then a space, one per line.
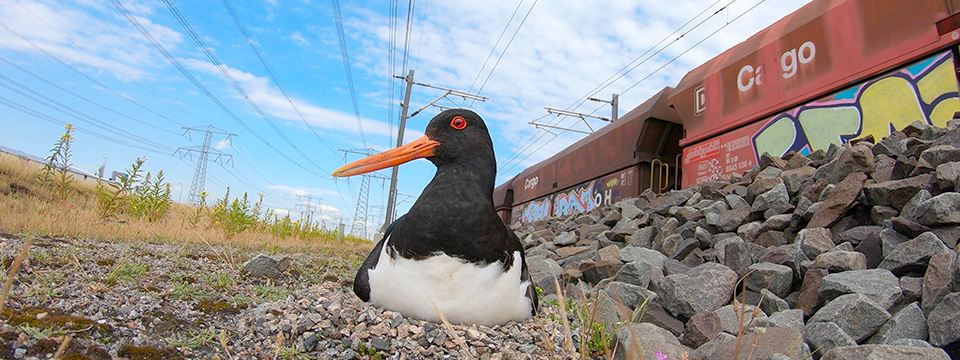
450, 253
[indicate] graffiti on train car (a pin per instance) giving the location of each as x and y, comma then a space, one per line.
926, 90
537, 209
581, 198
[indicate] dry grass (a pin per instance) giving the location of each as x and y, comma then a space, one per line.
29, 207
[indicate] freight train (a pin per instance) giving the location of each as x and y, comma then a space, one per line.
830, 72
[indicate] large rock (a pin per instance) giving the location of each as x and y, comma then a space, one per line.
769, 342
776, 278
645, 340
733, 317
884, 352
777, 196
705, 288
632, 253
838, 260
944, 322
940, 210
907, 323
565, 238
730, 220
896, 193
824, 336
938, 280
267, 266
838, 201
791, 318
673, 198
636, 273
877, 285
815, 241
855, 314
948, 175
857, 158
914, 255
810, 290
701, 328
940, 154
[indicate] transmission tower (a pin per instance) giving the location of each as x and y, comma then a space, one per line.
307, 208
204, 151
359, 226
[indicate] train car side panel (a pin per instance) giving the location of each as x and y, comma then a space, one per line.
925, 90
584, 197
808, 54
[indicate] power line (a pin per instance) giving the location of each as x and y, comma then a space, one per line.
494, 49
504, 52
68, 110
81, 73
273, 77
166, 54
346, 67
39, 115
226, 74
48, 82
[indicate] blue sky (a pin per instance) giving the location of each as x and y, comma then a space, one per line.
85, 63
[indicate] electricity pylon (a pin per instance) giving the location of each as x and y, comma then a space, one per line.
359, 226
200, 175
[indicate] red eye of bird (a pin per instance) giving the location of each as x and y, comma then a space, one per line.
458, 123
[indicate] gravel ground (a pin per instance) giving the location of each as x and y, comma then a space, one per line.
163, 301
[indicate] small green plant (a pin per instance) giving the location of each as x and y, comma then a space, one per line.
55, 173
151, 200
237, 216
288, 352
110, 202
370, 352
197, 338
38, 332
198, 210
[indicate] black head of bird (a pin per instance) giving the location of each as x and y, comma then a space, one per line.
450, 253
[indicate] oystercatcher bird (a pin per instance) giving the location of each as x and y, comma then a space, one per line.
450, 253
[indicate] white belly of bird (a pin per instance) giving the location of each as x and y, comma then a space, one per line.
462, 291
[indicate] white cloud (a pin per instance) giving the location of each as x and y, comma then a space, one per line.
272, 101
113, 47
298, 38
294, 192
224, 144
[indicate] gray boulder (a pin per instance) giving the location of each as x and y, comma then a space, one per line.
824, 336
907, 323
943, 322
877, 285
645, 339
267, 266
914, 255
776, 278
705, 288
855, 314
885, 352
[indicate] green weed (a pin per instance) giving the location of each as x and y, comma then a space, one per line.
55, 173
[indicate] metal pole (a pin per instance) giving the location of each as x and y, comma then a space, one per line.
615, 102
392, 190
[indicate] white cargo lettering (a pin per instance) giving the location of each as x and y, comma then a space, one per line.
531, 183
791, 60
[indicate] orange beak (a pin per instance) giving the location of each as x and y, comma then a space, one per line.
420, 148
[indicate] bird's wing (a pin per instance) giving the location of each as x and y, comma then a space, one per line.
524, 273
361, 284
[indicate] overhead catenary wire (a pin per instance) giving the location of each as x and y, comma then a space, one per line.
70, 111
504, 52
657, 70
617, 75
494, 48
186, 73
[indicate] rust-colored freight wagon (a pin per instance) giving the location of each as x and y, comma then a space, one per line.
830, 72
602, 168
